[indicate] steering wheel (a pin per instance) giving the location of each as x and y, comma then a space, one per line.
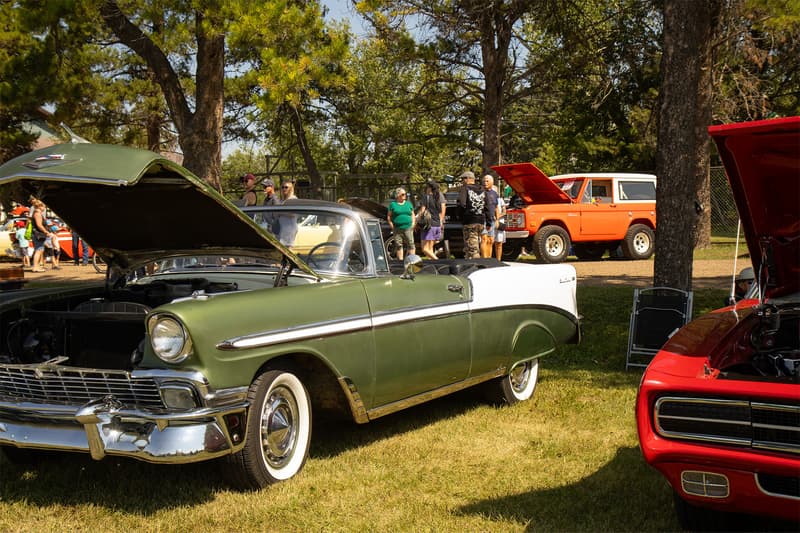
353, 258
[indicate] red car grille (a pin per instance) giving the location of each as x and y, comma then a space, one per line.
759, 425
72, 386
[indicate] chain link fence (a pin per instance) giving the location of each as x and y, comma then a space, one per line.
724, 218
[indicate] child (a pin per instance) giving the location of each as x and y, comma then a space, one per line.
24, 249
52, 246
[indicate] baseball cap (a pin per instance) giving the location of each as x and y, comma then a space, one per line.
468, 175
268, 183
248, 176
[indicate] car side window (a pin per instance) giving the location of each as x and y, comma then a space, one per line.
637, 190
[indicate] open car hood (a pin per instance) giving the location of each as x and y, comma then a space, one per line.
762, 161
531, 184
133, 205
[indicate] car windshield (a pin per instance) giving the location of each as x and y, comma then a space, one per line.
327, 241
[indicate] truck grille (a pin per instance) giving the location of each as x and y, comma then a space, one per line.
73, 386
759, 425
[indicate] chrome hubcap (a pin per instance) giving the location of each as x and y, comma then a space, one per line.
519, 376
554, 245
641, 242
279, 427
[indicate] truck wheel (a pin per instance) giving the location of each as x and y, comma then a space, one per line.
278, 432
551, 244
589, 252
512, 249
639, 242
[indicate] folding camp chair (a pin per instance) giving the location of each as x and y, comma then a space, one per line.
657, 313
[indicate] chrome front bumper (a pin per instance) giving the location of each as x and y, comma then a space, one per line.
104, 427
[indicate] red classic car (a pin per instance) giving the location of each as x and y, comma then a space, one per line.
718, 409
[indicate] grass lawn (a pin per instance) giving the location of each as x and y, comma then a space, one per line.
566, 461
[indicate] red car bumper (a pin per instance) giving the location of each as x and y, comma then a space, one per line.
720, 476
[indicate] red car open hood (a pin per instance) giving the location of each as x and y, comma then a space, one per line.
531, 184
762, 161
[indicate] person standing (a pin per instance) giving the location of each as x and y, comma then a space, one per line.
472, 199
270, 198
500, 229
23, 244
287, 223
488, 232
40, 234
402, 220
434, 204
79, 248
287, 191
249, 197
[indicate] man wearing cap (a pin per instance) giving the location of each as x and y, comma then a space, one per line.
249, 197
270, 198
472, 200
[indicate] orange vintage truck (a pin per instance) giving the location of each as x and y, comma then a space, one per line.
588, 213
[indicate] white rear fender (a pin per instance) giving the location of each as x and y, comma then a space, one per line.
524, 284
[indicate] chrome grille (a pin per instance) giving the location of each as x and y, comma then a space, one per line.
76, 386
758, 425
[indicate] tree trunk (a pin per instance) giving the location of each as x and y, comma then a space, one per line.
199, 132
495, 39
311, 165
682, 139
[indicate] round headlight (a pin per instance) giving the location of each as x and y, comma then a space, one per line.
169, 339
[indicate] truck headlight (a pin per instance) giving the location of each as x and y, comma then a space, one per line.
169, 339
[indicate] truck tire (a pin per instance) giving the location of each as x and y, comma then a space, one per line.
551, 244
639, 242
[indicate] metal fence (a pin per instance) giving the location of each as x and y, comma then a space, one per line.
380, 187
724, 218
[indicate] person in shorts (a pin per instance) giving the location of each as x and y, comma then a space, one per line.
500, 234
402, 220
472, 198
434, 204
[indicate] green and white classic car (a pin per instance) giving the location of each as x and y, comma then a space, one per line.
218, 332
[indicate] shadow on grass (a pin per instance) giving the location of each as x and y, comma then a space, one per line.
624, 495
115, 483
142, 488
332, 437
593, 503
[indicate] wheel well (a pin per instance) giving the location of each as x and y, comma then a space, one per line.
554, 222
644, 222
320, 381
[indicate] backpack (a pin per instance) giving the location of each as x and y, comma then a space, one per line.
29, 230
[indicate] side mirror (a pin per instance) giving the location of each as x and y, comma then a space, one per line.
412, 264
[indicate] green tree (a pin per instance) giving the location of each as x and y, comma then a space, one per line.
293, 69
470, 51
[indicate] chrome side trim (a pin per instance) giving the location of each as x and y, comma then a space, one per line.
773, 494
308, 331
339, 327
411, 401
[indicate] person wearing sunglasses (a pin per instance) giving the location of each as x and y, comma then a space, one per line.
402, 220
287, 190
